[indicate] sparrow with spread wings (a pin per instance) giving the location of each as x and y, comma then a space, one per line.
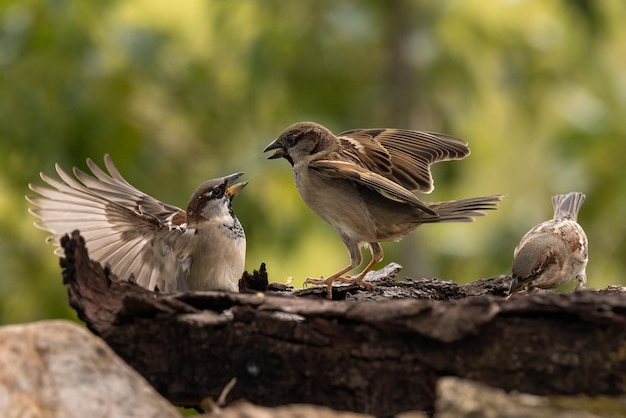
362, 182
159, 246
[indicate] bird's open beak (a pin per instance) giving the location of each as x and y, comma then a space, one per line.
235, 188
278, 146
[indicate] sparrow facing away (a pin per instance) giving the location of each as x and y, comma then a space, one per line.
553, 252
141, 239
361, 182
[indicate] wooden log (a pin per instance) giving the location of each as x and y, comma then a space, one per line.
379, 352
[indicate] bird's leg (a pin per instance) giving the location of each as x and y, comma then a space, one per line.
582, 281
328, 282
356, 258
377, 256
360, 279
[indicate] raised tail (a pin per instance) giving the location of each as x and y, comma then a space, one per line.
463, 210
567, 205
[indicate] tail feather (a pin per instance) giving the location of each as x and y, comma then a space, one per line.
567, 205
463, 210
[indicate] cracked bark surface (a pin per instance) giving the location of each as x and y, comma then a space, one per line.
379, 352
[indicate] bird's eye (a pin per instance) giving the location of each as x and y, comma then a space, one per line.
290, 140
217, 192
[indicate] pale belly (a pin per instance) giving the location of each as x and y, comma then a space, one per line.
361, 214
217, 265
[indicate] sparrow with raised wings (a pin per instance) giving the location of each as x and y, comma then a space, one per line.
159, 246
553, 252
361, 182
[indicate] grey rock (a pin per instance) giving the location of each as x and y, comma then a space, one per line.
458, 398
52, 369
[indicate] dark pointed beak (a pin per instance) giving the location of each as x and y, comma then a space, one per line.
280, 150
516, 285
232, 190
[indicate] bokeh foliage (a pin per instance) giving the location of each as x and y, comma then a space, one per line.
179, 92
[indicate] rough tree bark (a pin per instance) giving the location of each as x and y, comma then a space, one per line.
379, 353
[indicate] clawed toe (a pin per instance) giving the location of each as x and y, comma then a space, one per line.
330, 280
364, 284
314, 282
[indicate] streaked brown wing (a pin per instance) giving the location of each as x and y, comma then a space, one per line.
119, 223
382, 185
404, 156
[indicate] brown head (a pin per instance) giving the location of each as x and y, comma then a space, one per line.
299, 140
213, 200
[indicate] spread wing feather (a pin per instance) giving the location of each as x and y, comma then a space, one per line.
120, 224
403, 156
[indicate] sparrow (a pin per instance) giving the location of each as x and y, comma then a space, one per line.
362, 181
553, 252
141, 239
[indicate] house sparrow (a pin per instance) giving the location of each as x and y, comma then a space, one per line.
360, 182
553, 252
141, 239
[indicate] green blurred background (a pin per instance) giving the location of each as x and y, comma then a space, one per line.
180, 92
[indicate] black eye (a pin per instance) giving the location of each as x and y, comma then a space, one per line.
290, 140
217, 192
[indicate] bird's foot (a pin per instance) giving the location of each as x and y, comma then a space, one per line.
330, 280
360, 280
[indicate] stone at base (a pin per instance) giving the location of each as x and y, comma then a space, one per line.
56, 368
